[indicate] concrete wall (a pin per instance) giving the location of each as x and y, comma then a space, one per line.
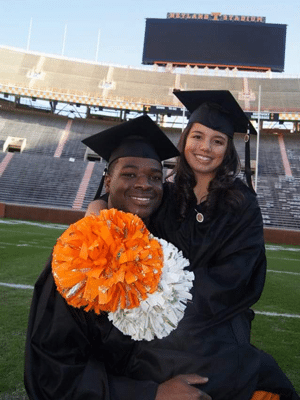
34, 213
67, 216
280, 236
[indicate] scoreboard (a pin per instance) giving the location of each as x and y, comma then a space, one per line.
223, 43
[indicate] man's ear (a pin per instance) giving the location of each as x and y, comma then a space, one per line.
107, 181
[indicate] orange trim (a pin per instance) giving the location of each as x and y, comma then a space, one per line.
63, 139
83, 186
5, 162
285, 160
261, 395
212, 65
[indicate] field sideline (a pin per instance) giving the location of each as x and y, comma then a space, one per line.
25, 248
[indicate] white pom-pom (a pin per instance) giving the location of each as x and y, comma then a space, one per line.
160, 313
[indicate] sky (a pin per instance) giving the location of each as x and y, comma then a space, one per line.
112, 31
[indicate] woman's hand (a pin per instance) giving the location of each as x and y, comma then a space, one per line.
95, 207
180, 388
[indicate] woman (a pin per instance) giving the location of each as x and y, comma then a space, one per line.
214, 218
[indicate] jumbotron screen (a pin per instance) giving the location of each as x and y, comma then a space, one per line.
215, 43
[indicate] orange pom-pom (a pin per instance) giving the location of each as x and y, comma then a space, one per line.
107, 262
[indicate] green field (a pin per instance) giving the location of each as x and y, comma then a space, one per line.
25, 248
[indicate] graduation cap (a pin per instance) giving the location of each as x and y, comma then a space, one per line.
218, 110
139, 137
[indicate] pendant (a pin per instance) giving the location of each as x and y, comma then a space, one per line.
199, 217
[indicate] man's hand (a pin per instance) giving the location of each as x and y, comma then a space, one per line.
180, 388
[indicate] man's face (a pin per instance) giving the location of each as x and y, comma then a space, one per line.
135, 186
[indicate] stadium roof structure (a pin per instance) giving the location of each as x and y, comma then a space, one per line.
56, 78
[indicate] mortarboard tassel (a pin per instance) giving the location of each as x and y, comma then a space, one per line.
99, 190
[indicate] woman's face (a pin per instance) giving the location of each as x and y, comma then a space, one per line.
205, 149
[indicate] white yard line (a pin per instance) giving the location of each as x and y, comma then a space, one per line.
281, 248
284, 272
283, 258
25, 245
19, 222
16, 286
266, 313
274, 314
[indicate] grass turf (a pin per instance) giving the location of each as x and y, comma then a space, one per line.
25, 248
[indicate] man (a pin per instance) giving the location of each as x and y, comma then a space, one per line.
72, 354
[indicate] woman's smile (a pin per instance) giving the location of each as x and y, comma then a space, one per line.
205, 149
202, 158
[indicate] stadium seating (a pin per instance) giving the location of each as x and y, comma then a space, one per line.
42, 175
76, 81
15, 67
156, 86
293, 153
280, 95
42, 132
45, 181
77, 77
80, 129
192, 82
279, 201
36, 177
270, 161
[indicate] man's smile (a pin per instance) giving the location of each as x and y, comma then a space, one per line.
141, 199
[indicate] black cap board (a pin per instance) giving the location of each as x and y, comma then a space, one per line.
200, 102
139, 137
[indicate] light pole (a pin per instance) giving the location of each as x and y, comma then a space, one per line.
257, 139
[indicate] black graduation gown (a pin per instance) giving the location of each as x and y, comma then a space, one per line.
227, 255
71, 354
74, 355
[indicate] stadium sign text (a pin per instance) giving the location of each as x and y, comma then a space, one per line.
216, 17
265, 115
163, 110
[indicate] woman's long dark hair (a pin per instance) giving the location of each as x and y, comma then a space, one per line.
220, 187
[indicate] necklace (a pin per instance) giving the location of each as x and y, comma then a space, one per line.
199, 216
